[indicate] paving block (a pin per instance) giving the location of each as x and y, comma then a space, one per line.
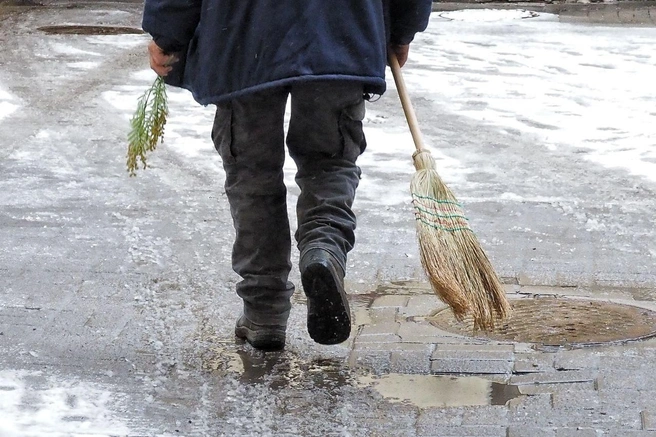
384, 328
555, 377
361, 317
568, 387
378, 361
411, 358
390, 301
383, 315
429, 417
439, 430
486, 415
422, 305
419, 332
466, 366
576, 360
528, 405
533, 362
648, 419
526, 431
565, 399
483, 352
576, 432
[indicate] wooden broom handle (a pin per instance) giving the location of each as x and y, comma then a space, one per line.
405, 100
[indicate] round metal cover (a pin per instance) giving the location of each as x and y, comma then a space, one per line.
90, 30
555, 321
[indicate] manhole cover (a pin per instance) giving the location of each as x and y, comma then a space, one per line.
90, 30
552, 321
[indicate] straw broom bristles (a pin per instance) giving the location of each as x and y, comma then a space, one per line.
457, 268
456, 265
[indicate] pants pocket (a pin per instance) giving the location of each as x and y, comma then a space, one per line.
222, 133
350, 128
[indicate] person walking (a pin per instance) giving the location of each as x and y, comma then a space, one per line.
247, 58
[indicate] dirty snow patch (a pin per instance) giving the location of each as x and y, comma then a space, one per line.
7, 105
34, 405
83, 65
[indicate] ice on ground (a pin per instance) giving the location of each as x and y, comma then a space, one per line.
33, 405
8, 104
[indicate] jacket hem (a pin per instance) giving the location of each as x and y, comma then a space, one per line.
373, 85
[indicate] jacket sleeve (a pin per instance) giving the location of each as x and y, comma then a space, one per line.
407, 17
171, 22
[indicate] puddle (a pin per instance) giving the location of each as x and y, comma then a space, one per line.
425, 391
278, 370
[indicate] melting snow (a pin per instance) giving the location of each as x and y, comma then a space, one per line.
7, 105
579, 89
33, 405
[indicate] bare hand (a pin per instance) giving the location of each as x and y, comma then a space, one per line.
160, 62
401, 52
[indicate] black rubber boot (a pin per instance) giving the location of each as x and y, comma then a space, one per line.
329, 316
263, 337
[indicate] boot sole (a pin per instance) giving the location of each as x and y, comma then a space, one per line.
329, 316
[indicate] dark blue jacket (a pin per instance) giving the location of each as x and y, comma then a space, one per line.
230, 48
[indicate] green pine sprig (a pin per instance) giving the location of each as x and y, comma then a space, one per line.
147, 125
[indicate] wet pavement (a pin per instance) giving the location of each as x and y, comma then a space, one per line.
117, 302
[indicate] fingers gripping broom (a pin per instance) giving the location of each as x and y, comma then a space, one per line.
457, 268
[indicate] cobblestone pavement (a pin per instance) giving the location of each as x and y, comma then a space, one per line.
117, 302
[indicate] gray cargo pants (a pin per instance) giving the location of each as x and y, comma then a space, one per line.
325, 138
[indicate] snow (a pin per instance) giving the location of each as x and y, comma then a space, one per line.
33, 405
7, 104
586, 90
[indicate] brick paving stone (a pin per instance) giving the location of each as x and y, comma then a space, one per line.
390, 301
569, 387
533, 362
383, 315
462, 431
648, 420
452, 416
380, 329
614, 432
566, 398
411, 358
378, 361
421, 332
576, 360
635, 380
466, 366
483, 352
533, 408
486, 415
527, 431
555, 377
576, 432
421, 305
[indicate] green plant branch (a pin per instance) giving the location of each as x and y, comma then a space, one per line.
147, 125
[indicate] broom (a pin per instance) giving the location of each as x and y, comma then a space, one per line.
457, 268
